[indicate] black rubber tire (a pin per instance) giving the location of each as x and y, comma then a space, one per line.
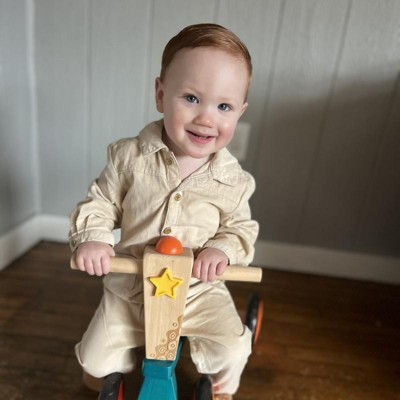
112, 385
253, 316
203, 389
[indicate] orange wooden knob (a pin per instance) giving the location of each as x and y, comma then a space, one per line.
169, 245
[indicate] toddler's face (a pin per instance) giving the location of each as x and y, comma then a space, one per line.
202, 97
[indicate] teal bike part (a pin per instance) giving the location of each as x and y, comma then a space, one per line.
160, 378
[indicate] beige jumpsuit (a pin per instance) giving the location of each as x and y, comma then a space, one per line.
140, 191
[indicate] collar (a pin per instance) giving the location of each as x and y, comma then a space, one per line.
225, 168
150, 138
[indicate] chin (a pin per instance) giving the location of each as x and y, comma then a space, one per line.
200, 156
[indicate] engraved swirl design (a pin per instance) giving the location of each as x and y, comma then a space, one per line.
167, 350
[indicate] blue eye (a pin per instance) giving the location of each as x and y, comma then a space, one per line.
191, 98
224, 107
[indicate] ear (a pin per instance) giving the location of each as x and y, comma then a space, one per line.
159, 95
244, 108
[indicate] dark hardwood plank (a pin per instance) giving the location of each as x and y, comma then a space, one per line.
321, 339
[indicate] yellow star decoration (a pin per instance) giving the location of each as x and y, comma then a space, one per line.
166, 284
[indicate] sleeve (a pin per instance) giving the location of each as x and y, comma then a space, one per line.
237, 232
100, 213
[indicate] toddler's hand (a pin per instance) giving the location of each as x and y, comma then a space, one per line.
94, 257
209, 264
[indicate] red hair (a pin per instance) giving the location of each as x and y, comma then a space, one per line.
206, 35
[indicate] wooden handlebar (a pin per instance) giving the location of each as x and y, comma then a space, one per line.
130, 265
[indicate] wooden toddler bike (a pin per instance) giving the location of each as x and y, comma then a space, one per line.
167, 270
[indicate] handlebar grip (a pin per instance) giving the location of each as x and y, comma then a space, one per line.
130, 265
240, 273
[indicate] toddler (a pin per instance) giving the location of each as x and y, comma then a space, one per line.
175, 178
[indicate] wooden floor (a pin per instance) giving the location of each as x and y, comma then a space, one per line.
321, 339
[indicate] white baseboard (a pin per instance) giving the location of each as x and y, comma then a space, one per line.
15, 243
322, 261
280, 256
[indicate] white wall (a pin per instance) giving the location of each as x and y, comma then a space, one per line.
324, 108
18, 169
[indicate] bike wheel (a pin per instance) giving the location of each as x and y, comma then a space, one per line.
255, 311
113, 387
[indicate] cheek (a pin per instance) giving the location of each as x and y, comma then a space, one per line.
227, 129
174, 112
173, 121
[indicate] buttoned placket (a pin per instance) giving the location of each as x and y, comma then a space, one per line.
175, 199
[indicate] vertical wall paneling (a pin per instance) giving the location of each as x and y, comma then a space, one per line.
309, 45
324, 107
379, 227
259, 27
168, 19
61, 38
354, 125
17, 176
118, 60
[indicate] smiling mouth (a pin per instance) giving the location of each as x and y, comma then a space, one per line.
202, 137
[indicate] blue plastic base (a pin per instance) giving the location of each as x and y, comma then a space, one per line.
159, 379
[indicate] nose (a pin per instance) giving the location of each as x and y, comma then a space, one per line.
205, 118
